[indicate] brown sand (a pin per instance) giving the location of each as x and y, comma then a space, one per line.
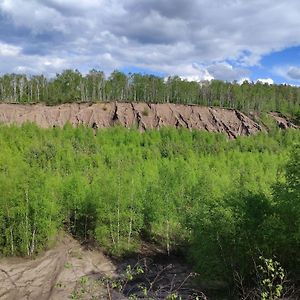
57, 274
282, 122
141, 115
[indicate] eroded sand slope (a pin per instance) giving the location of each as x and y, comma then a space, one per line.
63, 272
141, 115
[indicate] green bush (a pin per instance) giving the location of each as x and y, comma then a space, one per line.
218, 202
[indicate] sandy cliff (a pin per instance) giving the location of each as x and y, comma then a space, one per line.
141, 115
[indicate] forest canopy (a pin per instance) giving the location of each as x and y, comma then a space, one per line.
72, 86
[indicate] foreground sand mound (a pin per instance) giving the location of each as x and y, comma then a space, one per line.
141, 115
64, 272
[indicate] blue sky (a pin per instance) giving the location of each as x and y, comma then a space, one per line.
278, 66
195, 39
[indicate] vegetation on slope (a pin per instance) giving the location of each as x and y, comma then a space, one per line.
221, 203
72, 86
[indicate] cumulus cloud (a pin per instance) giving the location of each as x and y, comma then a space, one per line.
265, 80
290, 73
225, 71
9, 50
192, 38
294, 73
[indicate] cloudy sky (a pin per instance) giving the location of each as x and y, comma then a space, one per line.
195, 39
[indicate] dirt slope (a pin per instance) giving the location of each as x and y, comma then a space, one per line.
57, 274
282, 121
141, 115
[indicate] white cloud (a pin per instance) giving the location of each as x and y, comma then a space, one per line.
225, 71
288, 72
197, 72
193, 72
265, 80
170, 36
9, 50
294, 73
243, 79
201, 76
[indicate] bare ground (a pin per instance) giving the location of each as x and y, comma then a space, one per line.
282, 121
70, 271
141, 115
64, 272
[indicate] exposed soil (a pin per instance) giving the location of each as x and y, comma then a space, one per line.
282, 121
70, 271
59, 273
141, 115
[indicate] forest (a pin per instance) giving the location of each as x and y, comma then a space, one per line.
220, 203
72, 86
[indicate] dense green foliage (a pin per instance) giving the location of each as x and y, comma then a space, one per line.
222, 203
72, 86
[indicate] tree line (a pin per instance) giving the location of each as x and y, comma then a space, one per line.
220, 203
72, 86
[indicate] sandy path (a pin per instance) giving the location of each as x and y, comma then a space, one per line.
57, 274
